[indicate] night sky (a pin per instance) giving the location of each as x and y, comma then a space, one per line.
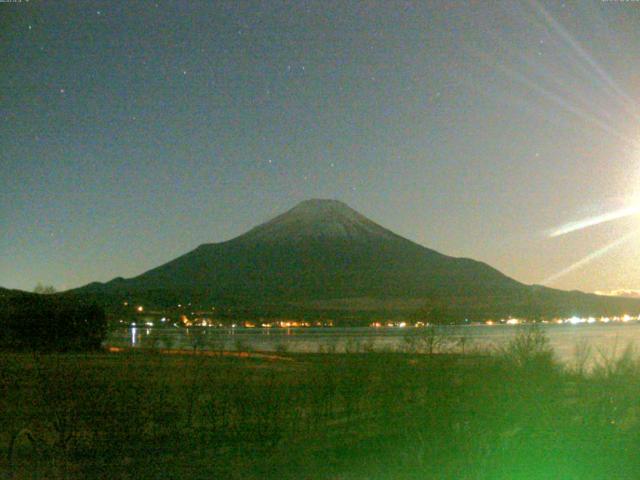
134, 131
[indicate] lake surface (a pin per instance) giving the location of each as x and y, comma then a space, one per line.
608, 340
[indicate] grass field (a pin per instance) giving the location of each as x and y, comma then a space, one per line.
515, 414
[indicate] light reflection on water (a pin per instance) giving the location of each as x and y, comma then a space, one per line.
609, 339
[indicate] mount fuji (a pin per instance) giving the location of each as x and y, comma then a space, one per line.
322, 256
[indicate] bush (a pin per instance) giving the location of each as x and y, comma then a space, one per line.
529, 349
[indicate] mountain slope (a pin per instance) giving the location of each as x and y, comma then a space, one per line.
323, 255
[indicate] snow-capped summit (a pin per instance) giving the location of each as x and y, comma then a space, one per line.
318, 219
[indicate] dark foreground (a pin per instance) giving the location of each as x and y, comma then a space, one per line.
513, 415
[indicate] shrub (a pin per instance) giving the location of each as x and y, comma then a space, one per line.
430, 340
529, 348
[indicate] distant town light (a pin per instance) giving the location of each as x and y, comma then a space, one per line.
140, 308
575, 320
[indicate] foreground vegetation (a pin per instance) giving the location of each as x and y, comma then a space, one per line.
514, 414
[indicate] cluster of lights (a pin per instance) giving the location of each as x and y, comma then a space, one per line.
394, 324
291, 324
207, 322
575, 320
579, 320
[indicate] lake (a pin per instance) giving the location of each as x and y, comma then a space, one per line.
601, 339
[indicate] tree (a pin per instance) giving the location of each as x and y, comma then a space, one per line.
44, 289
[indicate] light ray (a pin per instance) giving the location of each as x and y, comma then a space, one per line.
556, 89
560, 101
592, 256
593, 221
618, 93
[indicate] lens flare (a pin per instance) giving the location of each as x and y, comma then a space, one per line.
611, 86
592, 256
592, 221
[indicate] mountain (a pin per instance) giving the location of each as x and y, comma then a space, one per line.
323, 256
8, 294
